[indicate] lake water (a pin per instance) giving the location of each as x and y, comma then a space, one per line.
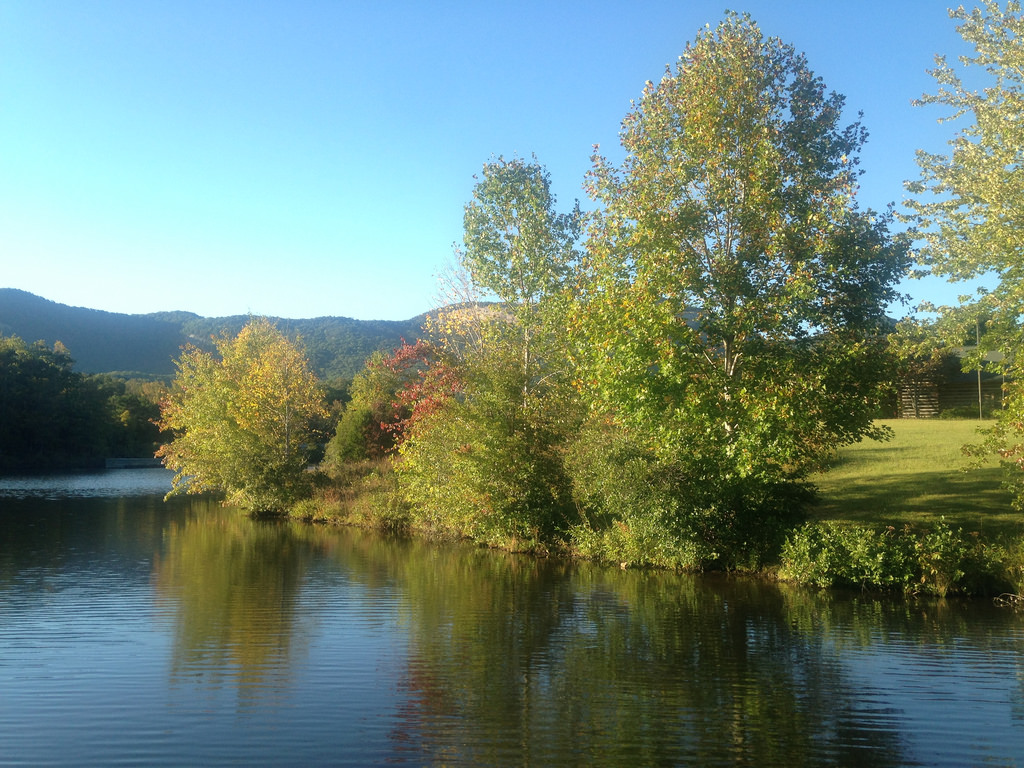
138, 632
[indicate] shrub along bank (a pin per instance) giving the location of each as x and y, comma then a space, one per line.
938, 561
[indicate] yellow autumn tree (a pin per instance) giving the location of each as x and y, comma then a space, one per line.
241, 419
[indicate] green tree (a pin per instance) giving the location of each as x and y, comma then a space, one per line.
50, 415
967, 207
366, 429
735, 293
486, 463
241, 419
518, 247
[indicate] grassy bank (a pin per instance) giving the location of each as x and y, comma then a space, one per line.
918, 478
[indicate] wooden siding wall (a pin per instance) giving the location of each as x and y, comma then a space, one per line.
918, 400
965, 394
926, 399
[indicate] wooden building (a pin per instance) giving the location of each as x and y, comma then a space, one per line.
946, 387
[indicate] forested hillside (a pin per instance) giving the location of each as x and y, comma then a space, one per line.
99, 342
337, 347
147, 345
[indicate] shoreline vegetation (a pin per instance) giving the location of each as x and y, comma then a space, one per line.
658, 381
661, 381
664, 379
909, 515
649, 383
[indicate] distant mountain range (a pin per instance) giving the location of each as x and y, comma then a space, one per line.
147, 345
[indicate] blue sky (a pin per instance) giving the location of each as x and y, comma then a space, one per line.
312, 158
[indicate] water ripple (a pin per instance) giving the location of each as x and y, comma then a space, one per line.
111, 483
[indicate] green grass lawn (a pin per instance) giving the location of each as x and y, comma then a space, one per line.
917, 477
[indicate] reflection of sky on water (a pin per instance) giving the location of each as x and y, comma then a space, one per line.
89, 665
106, 484
954, 706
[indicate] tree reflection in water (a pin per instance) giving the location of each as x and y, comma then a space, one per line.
527, 661
515, 660
232, 584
